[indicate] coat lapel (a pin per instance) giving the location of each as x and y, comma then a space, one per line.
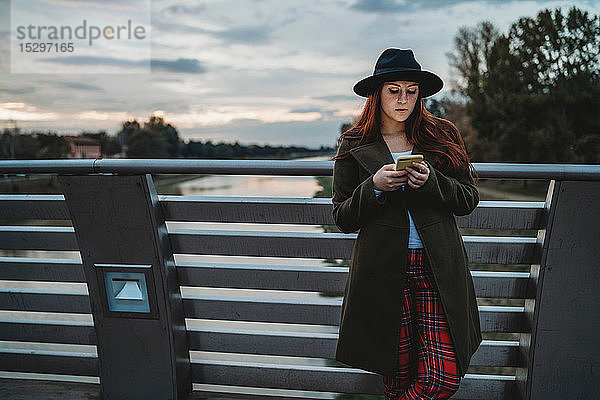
375, 154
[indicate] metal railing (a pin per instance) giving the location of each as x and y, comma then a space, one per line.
119, 227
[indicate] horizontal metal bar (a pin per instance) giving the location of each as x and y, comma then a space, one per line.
24, 385
23, 301
330, 379
41, 269
311, 344
48, 333
53, 364
272, 210
33, 206
480, 249
320, 312
18, 385
499, 284
275, 167
28, 237
317, 211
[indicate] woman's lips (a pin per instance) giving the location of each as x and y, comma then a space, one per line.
401, 109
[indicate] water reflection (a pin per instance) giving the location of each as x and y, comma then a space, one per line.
247, 185
256, 186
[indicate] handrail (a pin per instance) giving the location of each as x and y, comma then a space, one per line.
578, 172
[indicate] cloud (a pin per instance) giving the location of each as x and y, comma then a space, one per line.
387, 6
93, 60
24, 112
181, 9
337, 97
79, 86
378, 6
260, 34
199, 19
166, 26
102, 4
306, 110
186, 65
23, 90
250, 34
223, 115
102, 116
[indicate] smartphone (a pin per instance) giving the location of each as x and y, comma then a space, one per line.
406, 160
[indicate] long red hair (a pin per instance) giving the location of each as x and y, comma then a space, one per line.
427, 131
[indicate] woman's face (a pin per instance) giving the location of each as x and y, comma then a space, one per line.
398, 99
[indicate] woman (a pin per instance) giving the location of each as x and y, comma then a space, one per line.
409, 311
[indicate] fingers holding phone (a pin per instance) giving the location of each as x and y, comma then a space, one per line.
418, 174
387, 178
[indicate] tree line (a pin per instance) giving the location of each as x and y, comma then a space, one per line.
532, 94
155, 138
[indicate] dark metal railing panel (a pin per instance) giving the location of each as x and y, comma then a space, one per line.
501, 284
318, 345
60, 387
505, 215
318, 211
66, 390
259, 243
271, 277
41, 269
494, 354
256, 276
86, 365
327, 379
33, 206
272, 210
480, 249
27, 237
22, 301
328, 279
323, 312
320, 312
47, 333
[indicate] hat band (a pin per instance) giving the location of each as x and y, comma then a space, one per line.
395, 69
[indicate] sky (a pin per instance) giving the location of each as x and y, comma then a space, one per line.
252, 71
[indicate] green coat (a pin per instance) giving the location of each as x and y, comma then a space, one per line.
369, 325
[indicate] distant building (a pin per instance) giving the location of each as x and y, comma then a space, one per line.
82, 147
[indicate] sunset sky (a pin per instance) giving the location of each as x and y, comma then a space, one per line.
260, 71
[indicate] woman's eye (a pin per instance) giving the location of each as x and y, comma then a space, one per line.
396, 91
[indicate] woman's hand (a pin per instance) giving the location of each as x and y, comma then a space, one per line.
387, 178
417, 174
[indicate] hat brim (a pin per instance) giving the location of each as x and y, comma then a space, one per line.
429, 83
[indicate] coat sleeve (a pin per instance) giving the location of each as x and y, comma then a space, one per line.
354, 202
459, 194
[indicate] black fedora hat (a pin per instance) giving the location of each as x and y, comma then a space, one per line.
399, 65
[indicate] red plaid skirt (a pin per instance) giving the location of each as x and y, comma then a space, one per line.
428, 368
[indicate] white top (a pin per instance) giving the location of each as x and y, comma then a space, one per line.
414, 240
